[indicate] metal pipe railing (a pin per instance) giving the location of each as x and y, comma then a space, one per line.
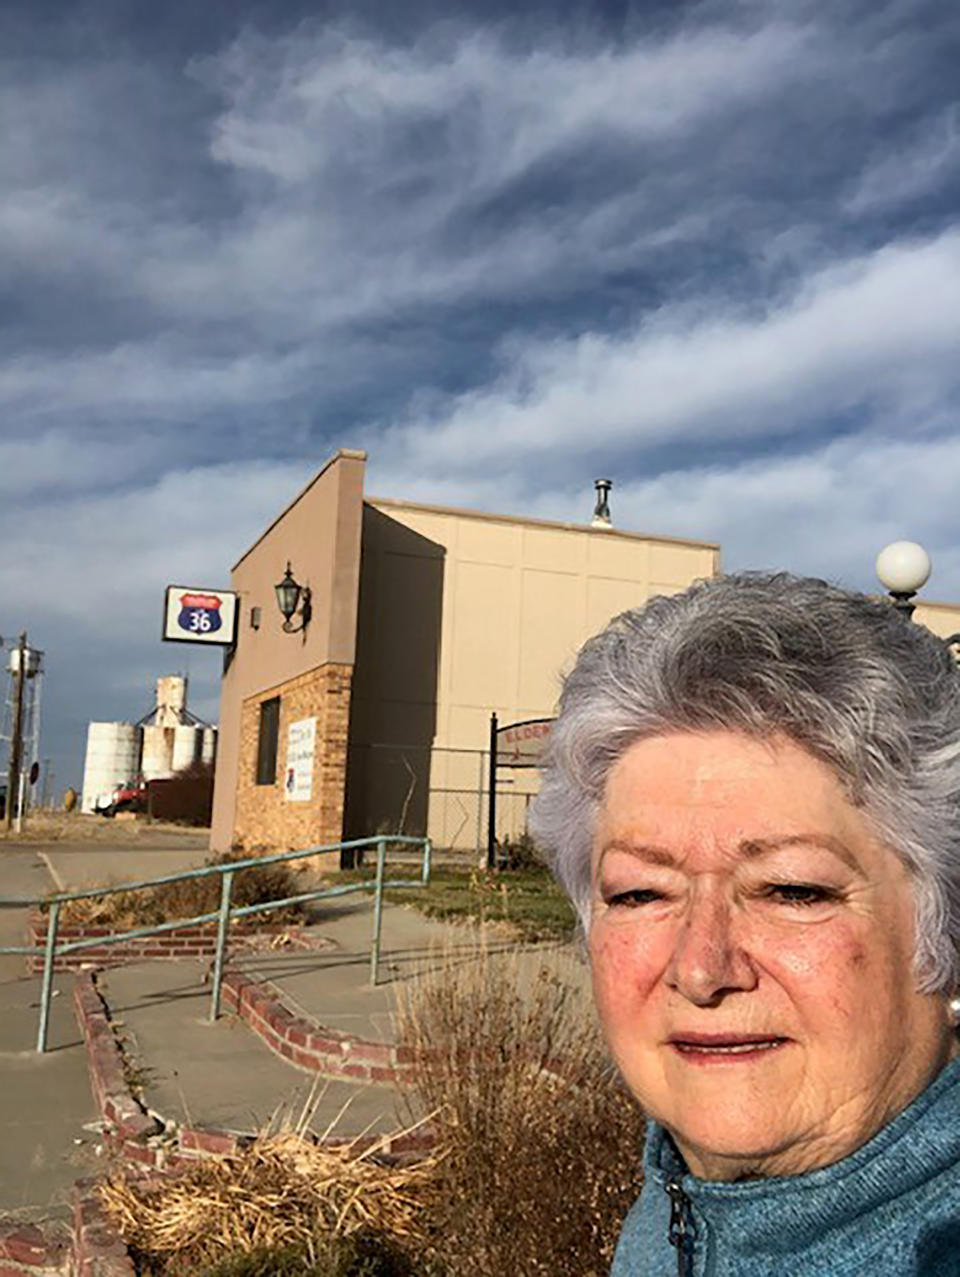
46, 985
222, 916
377, 913
223, 922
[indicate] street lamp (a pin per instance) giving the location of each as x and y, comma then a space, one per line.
291, 595
903, 567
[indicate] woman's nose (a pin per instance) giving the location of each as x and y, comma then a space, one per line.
708, 960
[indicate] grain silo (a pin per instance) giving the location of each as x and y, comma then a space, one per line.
164, 742
187, 746
157, 763
112, 759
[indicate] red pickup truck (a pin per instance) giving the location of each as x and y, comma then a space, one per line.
131, 796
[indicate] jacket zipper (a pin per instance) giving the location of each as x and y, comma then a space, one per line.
679, 1231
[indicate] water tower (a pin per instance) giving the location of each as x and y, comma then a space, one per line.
27, 691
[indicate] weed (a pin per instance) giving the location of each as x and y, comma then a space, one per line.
540, 1145
519, 854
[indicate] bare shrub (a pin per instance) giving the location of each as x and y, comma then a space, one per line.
520, 854
540, 1145
191, 897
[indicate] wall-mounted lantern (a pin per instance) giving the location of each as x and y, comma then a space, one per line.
292, 597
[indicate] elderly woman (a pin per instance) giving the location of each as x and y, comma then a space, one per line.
753, 796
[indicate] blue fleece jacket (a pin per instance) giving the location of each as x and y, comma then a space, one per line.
891, 1209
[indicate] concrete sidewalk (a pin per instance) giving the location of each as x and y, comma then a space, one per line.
46, 1105
74, 865
45, 1100
332, 986
223, 1075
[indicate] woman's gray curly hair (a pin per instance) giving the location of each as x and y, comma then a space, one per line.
847, 677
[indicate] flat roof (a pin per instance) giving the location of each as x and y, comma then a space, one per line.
391, 503
919, 601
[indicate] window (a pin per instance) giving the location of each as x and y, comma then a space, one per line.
267, 741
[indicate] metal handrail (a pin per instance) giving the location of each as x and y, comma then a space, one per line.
222, 916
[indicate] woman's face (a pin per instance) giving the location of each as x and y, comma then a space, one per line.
751, 944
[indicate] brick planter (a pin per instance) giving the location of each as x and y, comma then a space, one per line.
31, 1248
145, 1143
311, 1046
97, 1250
122, 1114
184, 942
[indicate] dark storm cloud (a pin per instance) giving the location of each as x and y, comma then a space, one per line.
712, 249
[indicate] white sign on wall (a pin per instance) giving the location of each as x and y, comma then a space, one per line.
301, 748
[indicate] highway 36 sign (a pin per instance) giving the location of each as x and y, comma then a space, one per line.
195, 615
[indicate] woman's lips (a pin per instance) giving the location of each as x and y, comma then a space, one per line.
709, 1048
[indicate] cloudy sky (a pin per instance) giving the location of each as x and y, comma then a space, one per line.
709, 249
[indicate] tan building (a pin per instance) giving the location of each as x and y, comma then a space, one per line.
422, 622
942, 618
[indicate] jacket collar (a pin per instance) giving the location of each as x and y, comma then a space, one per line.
910, 1151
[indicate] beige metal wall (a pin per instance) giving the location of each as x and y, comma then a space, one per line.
942, 618
462, 614
319, 533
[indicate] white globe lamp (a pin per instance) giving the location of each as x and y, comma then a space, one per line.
903, 567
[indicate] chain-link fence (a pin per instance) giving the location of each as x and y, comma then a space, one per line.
435, 791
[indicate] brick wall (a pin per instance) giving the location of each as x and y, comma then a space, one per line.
265, 818
183, 942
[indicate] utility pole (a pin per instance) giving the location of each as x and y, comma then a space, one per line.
16, 739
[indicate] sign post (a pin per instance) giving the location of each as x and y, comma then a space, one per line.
516, 745
492, 801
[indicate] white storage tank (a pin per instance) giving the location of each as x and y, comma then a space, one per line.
157, 763
31, 662
187, 743
208, 750
112, 759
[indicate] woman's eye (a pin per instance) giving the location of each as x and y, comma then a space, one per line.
799, 893
630, 899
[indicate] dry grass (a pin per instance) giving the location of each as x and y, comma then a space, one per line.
541, 1146
75, 826
283, 1201
191, 897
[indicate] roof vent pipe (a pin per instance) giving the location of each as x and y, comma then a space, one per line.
601, 513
